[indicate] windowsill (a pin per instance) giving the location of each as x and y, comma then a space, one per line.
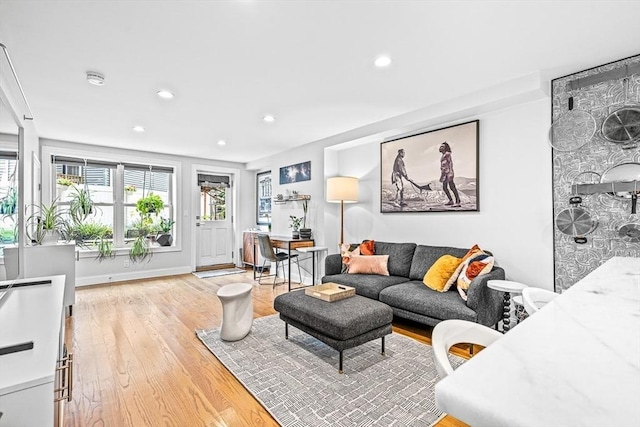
93, 253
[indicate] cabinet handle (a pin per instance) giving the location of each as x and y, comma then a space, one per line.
65, 365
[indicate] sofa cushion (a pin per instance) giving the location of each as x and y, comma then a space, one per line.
369, 264
367, 285
438, 275
400, 257
425, 256
414, 296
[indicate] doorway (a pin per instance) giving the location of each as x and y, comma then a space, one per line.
214, 222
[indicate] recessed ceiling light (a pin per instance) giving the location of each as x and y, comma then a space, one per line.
269, 118
139, 128
95, 78
222, 142
165, 94
382, 61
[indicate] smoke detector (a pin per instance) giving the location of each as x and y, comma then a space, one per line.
95, 78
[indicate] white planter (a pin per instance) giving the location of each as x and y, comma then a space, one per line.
50, 238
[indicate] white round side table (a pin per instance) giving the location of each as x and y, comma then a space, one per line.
237, 311
508, 287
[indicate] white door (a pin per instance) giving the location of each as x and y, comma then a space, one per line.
214, 231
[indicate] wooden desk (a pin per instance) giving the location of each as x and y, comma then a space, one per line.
573, 363
283, 242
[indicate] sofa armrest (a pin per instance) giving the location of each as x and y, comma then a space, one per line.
486, 302
333, 264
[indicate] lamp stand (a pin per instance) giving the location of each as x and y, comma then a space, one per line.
341, 222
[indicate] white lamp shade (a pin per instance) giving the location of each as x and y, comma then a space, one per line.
342, 189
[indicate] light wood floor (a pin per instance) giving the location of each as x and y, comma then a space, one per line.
139, 363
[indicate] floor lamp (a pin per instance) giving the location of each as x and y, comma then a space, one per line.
342, 189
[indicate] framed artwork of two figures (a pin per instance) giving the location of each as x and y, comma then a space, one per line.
434, 171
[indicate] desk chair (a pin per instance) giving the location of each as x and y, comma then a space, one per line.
267, 252
536, 298
448, 333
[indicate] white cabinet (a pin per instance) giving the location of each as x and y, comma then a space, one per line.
45, 260
30, 313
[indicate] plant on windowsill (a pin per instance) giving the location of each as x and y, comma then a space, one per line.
45, 224
295, 226
164, 236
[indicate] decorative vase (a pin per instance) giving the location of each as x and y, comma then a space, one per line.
305, 233
295, 234
164, 239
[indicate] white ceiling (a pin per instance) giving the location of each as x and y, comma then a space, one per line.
309, 63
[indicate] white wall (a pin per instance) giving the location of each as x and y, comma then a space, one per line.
515, 217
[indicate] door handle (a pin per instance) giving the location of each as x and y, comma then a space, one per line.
198, 224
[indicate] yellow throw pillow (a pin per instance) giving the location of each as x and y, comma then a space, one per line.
437, 277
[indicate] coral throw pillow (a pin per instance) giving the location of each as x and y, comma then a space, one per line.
368, 247
370, 264
477, 265
437, 277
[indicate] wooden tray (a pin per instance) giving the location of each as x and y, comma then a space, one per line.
330, 292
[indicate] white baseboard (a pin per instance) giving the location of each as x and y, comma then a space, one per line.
121, 277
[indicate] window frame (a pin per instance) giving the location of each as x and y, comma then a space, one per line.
119, 201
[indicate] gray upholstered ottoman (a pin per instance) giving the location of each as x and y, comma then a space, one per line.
340, 324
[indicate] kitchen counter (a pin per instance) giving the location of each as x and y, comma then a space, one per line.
576, 362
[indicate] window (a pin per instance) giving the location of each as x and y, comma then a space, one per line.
115, 190
8, 198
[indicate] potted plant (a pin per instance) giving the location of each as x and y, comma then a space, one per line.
80, 204
305, 232
105, 249
295, 226
164, 236
62, 185
139, 249
150, 205
45, 223
129, 192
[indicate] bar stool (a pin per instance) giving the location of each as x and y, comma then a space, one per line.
237, 311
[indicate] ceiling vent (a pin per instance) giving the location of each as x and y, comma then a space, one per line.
95, 78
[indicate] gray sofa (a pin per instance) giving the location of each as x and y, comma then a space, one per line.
409, 298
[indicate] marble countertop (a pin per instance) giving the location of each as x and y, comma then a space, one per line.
576, 362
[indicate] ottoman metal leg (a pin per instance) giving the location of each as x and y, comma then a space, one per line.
382, 346
340, 365
286, 330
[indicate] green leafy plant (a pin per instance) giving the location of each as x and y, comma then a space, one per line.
45, 219
105, 249
89, 231
152, 204
129, 188
66, 182
80, 205
295, 222
9, 203
139, 249
166, 224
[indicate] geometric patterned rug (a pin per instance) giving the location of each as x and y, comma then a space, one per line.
298, 383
